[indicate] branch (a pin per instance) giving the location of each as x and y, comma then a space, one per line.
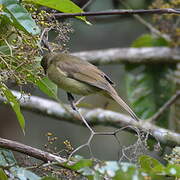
152, 28
131, 55
120, 12
147, 24
95, 117
171, 101
33, 152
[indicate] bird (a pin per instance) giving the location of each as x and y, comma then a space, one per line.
77, 76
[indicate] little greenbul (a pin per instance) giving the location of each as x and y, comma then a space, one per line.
77, 76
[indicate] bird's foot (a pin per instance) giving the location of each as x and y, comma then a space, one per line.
71, 101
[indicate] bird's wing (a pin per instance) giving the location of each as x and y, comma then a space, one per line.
88, 73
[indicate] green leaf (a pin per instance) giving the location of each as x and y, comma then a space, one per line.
127, 171
45, 85
20, 17
84, 167
14, 104
7, 160
131, 173
65, 6
147, 40
140, 92
148, 87
48, 87
81, 164
4, 49
164, 89
3, 175
173, 170
96, 176
23, 174
153, 167
150, 165
6, 157
7, 16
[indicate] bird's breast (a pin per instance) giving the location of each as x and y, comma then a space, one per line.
69, 84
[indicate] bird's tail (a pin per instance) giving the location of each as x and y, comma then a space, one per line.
116, 97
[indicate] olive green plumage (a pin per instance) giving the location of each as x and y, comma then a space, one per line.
77, 76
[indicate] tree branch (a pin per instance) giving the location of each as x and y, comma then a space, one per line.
171, 101
146, 24
33, 152
95, 117
131, 55
120, 12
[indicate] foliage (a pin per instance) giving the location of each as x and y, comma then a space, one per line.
168, 23
9, 168
144, 93
142, 88
14, 104
66, 6
21, 21
20, 26
149, 168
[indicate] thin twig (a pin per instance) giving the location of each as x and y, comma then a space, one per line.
9, 46
176, 23
87, 4
120, 12
171, 101
85, 122
9, 68
147, 24
83, 145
